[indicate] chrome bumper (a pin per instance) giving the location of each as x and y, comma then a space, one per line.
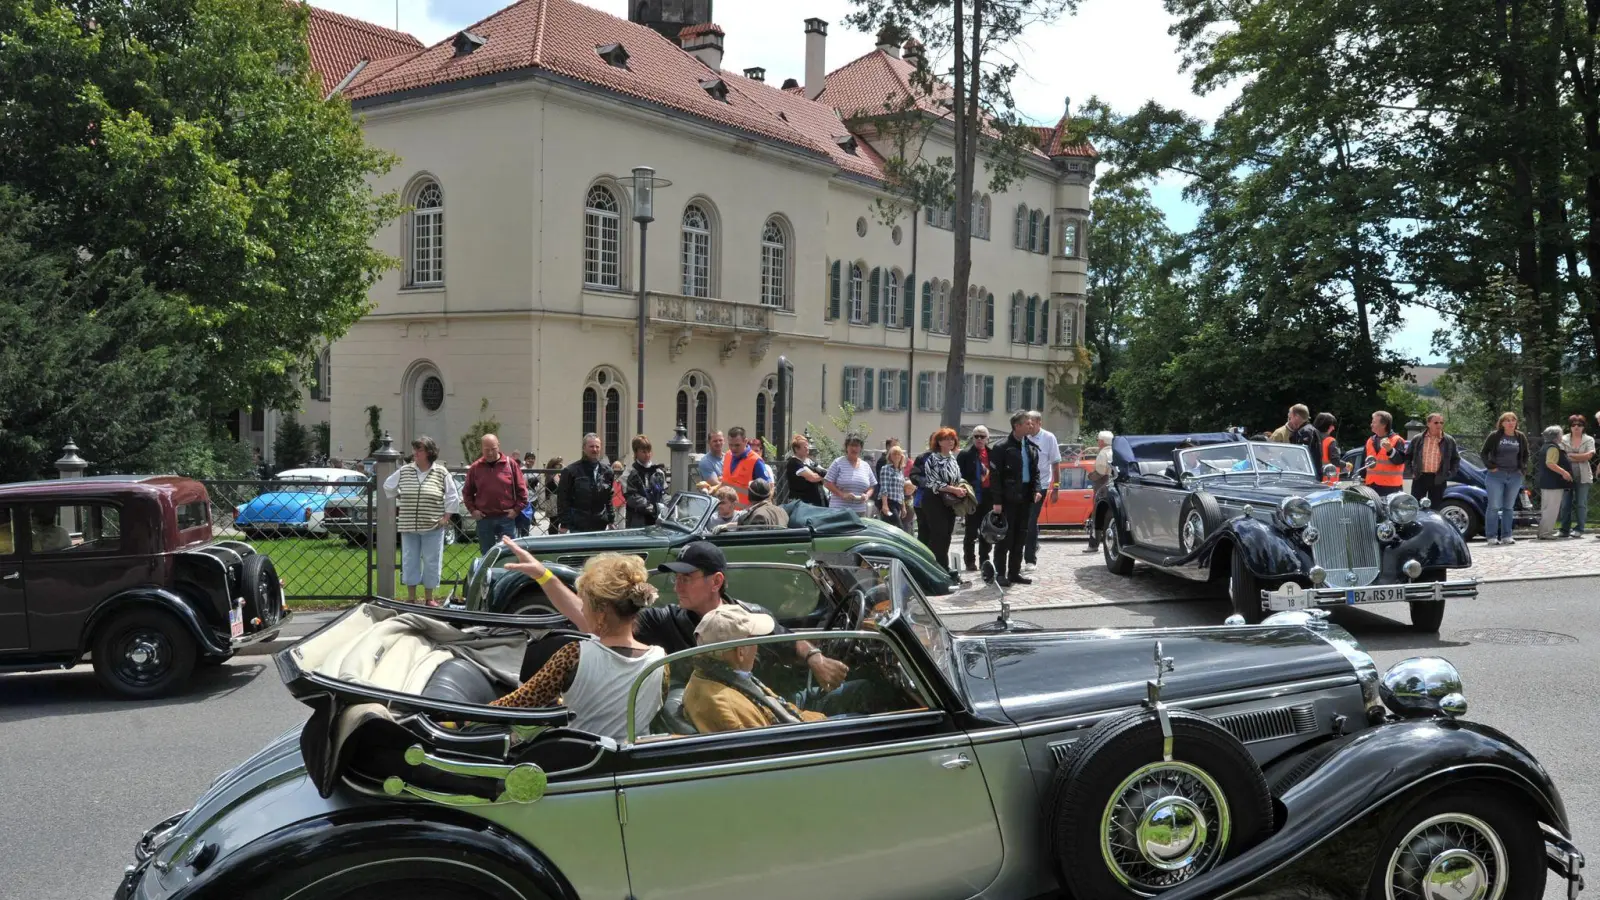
1566, 861
265, 634
1292, 596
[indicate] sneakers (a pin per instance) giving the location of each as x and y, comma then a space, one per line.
1491, 542
1509, 540
1021, 579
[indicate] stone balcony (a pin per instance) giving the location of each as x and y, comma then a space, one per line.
731, 323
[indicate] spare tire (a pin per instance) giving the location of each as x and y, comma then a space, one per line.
1125, 822
263, 593
1200, 518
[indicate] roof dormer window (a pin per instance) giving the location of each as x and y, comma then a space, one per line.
465, 42
846, 142
615, 55
717, 88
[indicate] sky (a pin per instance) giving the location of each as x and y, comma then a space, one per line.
1117, 50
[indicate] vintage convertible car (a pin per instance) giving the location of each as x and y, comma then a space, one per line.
1466, 497
1255, 515
1234, 761
687, 519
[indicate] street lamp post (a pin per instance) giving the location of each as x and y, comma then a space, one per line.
645, 183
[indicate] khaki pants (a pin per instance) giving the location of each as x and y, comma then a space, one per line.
1549, 511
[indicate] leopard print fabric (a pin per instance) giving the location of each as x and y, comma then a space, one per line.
547, 685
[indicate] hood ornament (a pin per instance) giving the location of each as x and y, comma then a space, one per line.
1164, 664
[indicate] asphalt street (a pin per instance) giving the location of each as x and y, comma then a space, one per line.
81, 775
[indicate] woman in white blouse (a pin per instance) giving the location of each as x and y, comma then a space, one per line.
850, 480
425, 498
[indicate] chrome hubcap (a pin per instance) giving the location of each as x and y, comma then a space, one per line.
1165, 824
1452, 856
143, 652
1194, 531
1456, 516
1111, 543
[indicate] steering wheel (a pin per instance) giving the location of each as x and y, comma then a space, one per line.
849, 615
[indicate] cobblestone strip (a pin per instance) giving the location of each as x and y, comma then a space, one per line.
1067, 576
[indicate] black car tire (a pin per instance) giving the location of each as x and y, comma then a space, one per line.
1465, 513
1244, 588
1426, 615
1209, 513
1117, 562
263, 595
427, 889
168, 647
1469, 815
1102, 772
414, 877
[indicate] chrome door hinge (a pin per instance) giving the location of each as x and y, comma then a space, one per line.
622, 807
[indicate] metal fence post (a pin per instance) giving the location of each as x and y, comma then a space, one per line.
680, 446
71, 465
386, 461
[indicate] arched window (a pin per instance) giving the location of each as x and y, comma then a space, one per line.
974, 311
774, 265
602, 238
696, 251
1019, 237
983, 216
942, 313
1069, 238
602, 409
1019, 321
891, 299
427, 236
857, 306
1042, 332
322, 375
767, 410
1034, 218
695, 396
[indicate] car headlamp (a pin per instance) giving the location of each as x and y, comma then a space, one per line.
1402, 509
1295, 512
1423, 687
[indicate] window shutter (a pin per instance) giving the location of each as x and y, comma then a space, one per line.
1020, 229
872, 297
927, 306
908, 298
1032, 314
988, 316
844, 387
1044, 243
1043, 333
922, 391
905, 389
988, 393
866, 390
833, 290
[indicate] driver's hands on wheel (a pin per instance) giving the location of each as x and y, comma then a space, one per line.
526, 563
830, 673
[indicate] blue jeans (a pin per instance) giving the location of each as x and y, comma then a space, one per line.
421, 557
490, 528
1575, 509
1503, 490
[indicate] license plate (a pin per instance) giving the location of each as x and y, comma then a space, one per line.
1353, 596
236, 622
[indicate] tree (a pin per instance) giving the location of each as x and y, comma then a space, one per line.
844, 422
980, 110
189, 140
291, 448
374, 429
322, 434
472, 440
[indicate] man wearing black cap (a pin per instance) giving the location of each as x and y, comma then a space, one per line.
701, 583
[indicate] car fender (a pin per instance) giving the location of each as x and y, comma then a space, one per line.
1267, 552
1391, 764
1475, 497
1110, 508
1429, 540
211, 644
437, 841
508, 584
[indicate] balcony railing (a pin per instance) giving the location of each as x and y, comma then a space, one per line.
712, 314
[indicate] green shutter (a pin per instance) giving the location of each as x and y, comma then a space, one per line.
908, 298
988, 393
988, 316
833, 290
1044, 243
866, 391
922, 391
1033, 316
844, 386
905, 389
927, 306
1044, 322
872, 297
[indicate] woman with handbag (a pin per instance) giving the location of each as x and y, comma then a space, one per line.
938, 478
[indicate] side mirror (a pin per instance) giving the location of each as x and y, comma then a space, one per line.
1371, 461
1330, 471
988, 570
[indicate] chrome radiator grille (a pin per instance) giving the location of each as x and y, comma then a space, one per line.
1270, 724
1347, 540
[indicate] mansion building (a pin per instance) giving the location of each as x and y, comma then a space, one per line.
520, 258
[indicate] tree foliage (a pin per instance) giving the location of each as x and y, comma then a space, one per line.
188, 141
472, 439
291, 447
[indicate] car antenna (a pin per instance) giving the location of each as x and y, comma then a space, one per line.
1003, 624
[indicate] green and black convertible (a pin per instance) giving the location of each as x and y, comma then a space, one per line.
785, 588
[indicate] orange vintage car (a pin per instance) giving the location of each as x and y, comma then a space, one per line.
1072, 505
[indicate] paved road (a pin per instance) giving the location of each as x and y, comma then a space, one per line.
82, 776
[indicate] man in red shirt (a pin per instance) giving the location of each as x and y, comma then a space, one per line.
494, 493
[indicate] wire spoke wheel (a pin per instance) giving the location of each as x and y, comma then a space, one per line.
1194, 531
1165, 823
1451, 856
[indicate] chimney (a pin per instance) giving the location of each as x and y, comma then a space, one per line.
914, 53
889, 38
756, 73
816, 57
703, 42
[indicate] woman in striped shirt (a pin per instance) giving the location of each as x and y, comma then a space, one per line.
425, 496
850, 480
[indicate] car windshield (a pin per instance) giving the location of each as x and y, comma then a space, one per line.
892, 593
686, 510
925, 623
1245, 458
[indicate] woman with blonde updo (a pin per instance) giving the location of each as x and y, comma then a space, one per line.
592, 678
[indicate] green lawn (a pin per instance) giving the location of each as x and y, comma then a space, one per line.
329, 572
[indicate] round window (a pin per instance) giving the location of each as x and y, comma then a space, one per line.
694, 381
895, 235
432, 393
600, 376
861, 227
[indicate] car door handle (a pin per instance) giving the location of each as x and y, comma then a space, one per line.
12, 577
957, 762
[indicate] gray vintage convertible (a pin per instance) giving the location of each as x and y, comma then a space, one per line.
1268, 760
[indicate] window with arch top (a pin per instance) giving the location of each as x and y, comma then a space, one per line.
696, 251
774, 265
426, 244
602, 238
695, 406
602, 409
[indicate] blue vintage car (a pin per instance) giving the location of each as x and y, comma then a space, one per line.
1256, 517
296, 506
1466, 497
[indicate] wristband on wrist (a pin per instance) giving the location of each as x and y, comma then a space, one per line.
814, 652
545, 577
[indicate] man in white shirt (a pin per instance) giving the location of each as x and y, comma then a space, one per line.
1099, 478
1049, 456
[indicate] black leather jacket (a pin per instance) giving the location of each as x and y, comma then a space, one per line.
583, 500
643, 488
1006, 484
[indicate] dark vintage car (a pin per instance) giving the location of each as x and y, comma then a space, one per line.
1256, 517
125, 568
787, 591
1466, 497
1237, 761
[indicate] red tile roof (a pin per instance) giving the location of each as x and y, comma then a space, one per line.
818, 124
338, 42
707, 28
1051, 142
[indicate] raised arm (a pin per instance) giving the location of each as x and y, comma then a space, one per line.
561, 596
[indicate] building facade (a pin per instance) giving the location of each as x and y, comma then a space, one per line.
518, 290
